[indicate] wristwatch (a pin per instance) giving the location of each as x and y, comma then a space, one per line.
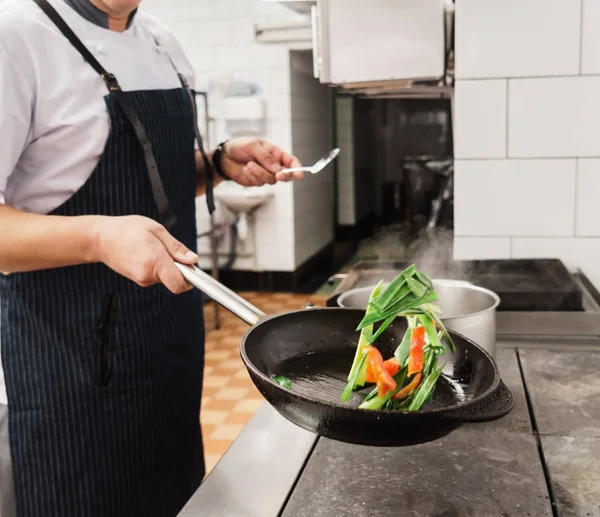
216, 160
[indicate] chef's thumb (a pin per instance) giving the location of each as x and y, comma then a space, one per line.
176, 249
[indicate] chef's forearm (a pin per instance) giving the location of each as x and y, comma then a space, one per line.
201, 172
30, 242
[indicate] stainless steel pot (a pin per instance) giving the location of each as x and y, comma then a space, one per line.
466, 309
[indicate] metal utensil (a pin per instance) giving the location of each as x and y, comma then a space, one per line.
317, 167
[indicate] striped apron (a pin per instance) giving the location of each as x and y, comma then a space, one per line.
104, 377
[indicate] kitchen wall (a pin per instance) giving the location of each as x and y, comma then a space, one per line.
218, 37
345, 163
312, 137
369, 160
527, 131
359, 165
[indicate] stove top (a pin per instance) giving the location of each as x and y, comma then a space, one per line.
542, 285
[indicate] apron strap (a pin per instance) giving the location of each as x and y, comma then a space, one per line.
208, 166
210, 182
167, 217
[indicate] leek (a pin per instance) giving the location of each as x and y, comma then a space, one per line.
366, 338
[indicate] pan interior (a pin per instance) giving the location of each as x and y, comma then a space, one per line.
323, 376
315, 348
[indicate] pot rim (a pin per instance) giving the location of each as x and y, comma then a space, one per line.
463, 284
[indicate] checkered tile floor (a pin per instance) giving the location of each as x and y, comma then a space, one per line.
229, 397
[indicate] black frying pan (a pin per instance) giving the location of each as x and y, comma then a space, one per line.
314, 348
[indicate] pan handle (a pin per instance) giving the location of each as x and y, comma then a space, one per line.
498, 404
221, 294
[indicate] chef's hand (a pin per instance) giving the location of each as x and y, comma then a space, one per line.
253, 162
143, 251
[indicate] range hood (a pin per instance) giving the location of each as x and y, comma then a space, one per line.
377, 48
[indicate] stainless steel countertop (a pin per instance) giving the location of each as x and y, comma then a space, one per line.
256, 474
260, 470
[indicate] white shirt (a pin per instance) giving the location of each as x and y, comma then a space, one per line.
53, 119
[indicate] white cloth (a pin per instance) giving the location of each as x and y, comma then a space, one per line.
53, 119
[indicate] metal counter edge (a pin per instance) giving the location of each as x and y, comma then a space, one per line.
257, 473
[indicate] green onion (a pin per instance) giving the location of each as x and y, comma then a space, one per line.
347, 393
430, 330
424, 391
403, 349
366, 337
283, 382
378, 402
410, 295
418, 288
382, 327
432, 314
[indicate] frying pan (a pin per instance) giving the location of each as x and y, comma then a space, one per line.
314, 348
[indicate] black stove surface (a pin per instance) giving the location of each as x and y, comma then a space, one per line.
523, 285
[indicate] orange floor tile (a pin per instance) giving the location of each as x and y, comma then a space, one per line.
229, 397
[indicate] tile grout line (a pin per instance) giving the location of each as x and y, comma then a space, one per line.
525, 158
576, 192
533, 237
581, 3
528, 77
536, 435
506, 136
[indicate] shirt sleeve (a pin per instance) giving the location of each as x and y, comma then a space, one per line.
16, 113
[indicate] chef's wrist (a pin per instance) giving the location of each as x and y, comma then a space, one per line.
89, 229
95, 226
217, 161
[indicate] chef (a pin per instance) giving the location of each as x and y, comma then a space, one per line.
102, 340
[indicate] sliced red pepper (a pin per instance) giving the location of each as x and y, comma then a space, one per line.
392, 366
369, 375
385, 382
415, 356
409, 388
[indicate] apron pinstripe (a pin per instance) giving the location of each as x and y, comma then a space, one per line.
104, 377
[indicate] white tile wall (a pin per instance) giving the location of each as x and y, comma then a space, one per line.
554, 117
481, 128
345, 165
590, 37
517, 38
587, 216
479, 248
514, 197
312, 134
218, 37
541, 199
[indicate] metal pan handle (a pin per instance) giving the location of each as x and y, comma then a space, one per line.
221, 294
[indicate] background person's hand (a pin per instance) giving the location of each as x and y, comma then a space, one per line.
254, 162
143, 251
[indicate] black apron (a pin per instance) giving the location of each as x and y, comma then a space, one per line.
104, 377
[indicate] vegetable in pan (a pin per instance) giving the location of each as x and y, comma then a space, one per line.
284, 382
408, 379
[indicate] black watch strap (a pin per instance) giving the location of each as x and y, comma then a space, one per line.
217, 158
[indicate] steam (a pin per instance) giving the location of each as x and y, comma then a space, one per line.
389, 244
432, 252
